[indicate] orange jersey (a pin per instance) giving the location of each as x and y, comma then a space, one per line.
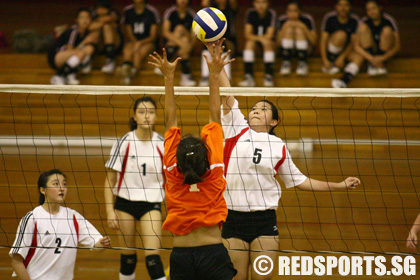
202, 204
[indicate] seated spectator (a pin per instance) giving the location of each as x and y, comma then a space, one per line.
179, 38
259, 29
72, 50
379, 39
296, 34
229, 9
105, 23
140, 26
338, 36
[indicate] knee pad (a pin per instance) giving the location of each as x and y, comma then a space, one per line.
128, 264
154, 266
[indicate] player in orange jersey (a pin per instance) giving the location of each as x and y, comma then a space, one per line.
195, 182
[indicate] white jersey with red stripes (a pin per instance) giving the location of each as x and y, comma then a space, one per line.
59, 236
139, 167
252, 160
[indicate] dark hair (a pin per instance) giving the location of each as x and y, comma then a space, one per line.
192, 159
189, 2
337, 1
274, 112
296, 2
43, 180
377, 2
103, 3
83, 9
133, 124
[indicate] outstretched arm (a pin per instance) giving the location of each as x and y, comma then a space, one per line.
322, 186
216, 65
168, 71
412, 235
227, 101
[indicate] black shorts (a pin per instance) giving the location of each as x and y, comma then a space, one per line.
248, 226
135, 208
210, 262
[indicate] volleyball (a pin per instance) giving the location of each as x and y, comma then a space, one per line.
209, 24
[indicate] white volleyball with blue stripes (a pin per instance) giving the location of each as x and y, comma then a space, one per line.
209, 24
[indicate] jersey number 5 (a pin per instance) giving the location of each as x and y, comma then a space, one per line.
257, 156
57, 250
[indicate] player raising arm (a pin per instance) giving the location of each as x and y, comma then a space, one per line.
254, 159
43, 248
195, 183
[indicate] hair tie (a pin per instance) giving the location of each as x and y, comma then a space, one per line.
189, 154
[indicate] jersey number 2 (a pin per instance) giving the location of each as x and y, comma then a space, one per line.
257, 156
57, 250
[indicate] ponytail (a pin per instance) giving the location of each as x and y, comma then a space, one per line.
192, 159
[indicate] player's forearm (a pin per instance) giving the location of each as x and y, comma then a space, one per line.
416, 226
389, 54
20, 269
317, 186
108, 195
170, 106
362, 52
214, 99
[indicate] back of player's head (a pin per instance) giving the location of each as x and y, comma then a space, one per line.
274, 116
188, 4
80, 10
133, 123
192, 159
295, 2
377, 2
103, 4
43, 180
338, 1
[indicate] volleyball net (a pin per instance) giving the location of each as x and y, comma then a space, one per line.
372, 134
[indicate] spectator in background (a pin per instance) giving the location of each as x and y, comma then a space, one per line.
72, 50
229, 9
140, 26
179, 37
296, 31
338, 36
259, 29
105, 23
379, 39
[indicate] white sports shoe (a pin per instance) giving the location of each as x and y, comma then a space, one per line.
380, 71
204, 82
125, 74
187, 81
86, 69
371, 70
72, 79
109, 67
337, 83
286, 68
333, 70
302, 68
268, 80
248, 81
58, 80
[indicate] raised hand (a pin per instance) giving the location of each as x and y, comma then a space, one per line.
218, 59
161, 62
412, 241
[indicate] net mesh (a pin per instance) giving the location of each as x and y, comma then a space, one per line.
332, 134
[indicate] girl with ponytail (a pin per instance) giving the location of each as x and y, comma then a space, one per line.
195, 182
